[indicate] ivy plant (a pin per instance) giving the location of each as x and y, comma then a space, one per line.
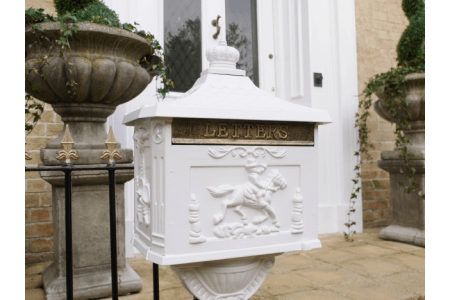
33, 111
411, 59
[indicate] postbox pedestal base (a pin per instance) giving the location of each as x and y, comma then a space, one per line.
404, 234
90, 236
88, 286
231, 279
408, 210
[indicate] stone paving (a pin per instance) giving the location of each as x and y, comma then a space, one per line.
369, 268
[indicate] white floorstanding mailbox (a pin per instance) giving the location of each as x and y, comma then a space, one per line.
225, 179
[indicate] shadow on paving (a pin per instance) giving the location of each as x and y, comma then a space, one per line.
368, 268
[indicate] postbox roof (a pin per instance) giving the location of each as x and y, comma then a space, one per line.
224, 92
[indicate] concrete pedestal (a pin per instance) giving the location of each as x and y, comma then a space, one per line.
408, 210
90, 234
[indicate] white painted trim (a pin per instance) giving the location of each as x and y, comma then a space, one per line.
296, 53
282, 51
345, 44
264, 12
305, 47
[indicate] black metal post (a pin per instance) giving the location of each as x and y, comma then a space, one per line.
68, 169
68, 203
155, 281
113, 238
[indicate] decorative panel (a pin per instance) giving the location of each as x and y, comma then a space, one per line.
247, 201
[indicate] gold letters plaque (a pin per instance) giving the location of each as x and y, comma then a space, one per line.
241, 132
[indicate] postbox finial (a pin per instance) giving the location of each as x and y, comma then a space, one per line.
222, 55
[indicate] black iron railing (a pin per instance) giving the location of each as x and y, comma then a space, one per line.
68, 169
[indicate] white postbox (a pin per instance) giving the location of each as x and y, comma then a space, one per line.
225, 179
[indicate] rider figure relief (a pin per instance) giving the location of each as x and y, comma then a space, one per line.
255, 194
255, 189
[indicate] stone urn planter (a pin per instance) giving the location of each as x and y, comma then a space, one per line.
103, 63
408, 210
100, 71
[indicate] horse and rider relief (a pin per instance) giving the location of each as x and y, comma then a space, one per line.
256, 194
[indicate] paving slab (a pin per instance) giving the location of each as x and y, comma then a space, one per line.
372, 290
333, 255
373, 267
420, 252
370, 251
368, 268
319, 294
330, 275
280, 284
286, 264
262, 294
412, 281
406, 259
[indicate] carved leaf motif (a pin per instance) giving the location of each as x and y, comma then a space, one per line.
111, 155
244, 151
276, 153
142, 190
140, 136
72, 154
27, 156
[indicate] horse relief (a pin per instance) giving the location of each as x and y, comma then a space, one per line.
255, 194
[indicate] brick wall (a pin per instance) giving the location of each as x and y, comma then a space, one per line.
379, 25
38, 197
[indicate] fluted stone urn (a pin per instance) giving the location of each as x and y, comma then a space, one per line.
99, 71
408, 209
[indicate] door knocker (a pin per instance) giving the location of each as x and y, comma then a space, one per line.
215, 23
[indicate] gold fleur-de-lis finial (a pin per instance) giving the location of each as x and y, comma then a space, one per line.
27, 155
67, 143
111, 144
